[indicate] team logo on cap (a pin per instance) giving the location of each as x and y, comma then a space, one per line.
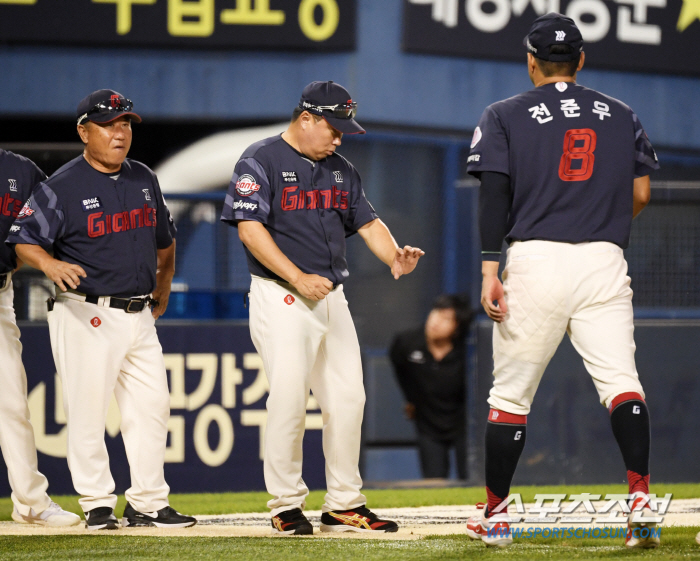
289, 299
95, 322
246, 185
114, 101
560, 35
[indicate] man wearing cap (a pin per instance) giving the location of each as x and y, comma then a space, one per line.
294, 201
563, 171
112, 237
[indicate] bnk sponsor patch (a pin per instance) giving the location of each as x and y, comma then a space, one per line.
289, 177
91, 204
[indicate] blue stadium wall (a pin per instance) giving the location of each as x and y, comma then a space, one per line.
391, 86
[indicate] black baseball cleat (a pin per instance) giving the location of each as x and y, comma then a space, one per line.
291, 523
101, 518
166, 517
359, 519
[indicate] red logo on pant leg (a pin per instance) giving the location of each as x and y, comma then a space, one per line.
95, 322
289, 299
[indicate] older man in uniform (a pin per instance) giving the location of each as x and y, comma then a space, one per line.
294, 201
113, 244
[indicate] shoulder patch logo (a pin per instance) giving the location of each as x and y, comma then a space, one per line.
13, 184
95, 322
147, 194
289, 299
477, 137
246, 185
338, 176
27, 210
289, 177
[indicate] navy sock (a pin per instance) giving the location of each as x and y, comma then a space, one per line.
505, 440
629, 418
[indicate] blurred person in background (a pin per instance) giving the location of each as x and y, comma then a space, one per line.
430, 366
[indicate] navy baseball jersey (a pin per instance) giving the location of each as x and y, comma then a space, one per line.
109, 224
572, 155
308, 207
18, 176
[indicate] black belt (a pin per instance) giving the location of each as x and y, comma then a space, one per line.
129, 305
4, 278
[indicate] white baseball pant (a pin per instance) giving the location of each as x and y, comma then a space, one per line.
309, 345
16, 433
552, 288
118, 355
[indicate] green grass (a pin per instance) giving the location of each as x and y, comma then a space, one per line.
229, 503
677, 543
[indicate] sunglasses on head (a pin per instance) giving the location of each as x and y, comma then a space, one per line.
341, 110
116, 105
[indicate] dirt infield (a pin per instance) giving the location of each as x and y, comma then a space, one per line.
414, 523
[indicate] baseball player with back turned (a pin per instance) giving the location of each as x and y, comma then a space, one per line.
563, 171
294, 201
18, 176
113, 254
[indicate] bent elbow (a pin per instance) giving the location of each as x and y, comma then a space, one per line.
643, 199
245, 232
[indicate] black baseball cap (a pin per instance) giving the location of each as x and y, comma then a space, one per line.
554, 29
332, 102
104, 106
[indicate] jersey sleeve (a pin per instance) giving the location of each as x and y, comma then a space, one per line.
645, 156
41, 220
165, 225
361, 211
249, 193
489, 147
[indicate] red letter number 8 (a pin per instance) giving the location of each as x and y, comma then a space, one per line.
577, 160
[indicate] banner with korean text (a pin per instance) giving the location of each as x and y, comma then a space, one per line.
228, 24
636, 35
218, 390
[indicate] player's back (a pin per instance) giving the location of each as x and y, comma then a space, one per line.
571, 159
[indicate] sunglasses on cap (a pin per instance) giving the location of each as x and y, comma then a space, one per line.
116, 105
340, 111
